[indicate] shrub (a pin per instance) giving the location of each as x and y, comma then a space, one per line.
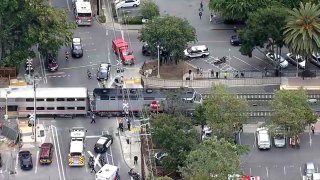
131, 20
102, 19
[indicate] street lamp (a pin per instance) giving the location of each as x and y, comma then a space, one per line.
158, 76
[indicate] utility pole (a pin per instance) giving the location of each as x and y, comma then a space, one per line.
34, 110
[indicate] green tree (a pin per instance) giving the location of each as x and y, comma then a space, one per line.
257, 33
292, 111
223, 110
24, 24
200, 116
214, 158
238, 10
170, 32
149, 9
302, 31
175, 135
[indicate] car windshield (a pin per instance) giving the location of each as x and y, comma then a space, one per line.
77, 47
279, 136
126, 53
189, 50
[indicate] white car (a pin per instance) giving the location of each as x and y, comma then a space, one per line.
282, 62
263, 139
196, 51
297, 58
128, 3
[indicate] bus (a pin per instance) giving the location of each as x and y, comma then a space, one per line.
83, 12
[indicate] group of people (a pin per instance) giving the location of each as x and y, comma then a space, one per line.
212, 15
120, 122
92, 161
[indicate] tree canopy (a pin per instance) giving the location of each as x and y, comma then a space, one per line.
292, 111
170, 32
149, 9
264, 26
175, 135
302, 30
223, 110
24, 24
214, 158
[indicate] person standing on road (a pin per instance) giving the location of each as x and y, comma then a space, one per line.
129, 124
93, 169
135, 160
93, 119
121, 124
200, 14
211, 17
201, 6
312, 128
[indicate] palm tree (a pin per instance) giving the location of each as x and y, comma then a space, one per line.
302, 32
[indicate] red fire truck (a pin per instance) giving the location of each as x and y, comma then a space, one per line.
121, 48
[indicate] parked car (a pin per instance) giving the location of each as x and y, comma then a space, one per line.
103, 72
127, 3
206, 133
103, 143
297, 58
275, 58
315, 60
197, 51
121, 48
25, 159
46, 153
52, 64
309, 169
279, 139
76, 47
235, 40
263, 139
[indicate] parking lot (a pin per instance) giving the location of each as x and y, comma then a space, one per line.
280, 163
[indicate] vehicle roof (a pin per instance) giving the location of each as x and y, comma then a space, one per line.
76, 147
107, 171
45, 149
198, 47
76, 40
102, 140
310, 165
28, 92
105, 65
83, 7
119, 41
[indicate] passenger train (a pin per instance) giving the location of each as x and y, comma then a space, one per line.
78, 101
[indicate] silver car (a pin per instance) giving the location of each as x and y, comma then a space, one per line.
276, 57
279, 140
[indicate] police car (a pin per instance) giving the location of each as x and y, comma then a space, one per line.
103, 143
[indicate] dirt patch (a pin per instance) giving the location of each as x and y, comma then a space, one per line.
168, 71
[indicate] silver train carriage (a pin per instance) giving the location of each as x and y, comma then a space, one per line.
49, 101
109, 101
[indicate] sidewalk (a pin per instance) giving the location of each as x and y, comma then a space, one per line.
131, 149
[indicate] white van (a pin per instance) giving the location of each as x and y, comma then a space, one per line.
263, 139
108, 172
196, 51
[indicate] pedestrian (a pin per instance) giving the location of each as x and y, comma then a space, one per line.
241, 128
135, 160
211, 17
93, 169
225, 74
212, 73
201, 5
217, 75
200, 14
93, 119
129, 125
121, 124
67, 55
312, 128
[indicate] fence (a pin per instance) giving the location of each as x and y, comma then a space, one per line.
207, 83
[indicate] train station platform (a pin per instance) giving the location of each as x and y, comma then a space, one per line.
297, 82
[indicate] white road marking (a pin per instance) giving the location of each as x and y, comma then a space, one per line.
68, 5
284, 170
111, 155
17, 160
56, 152
96, 158
42, 68
255, 140
36, 169
250, 171
300, 171
90, 50
267, 171
310, 137
245, 62
62, 168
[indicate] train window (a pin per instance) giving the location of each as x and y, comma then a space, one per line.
60, 108
29, 108
71, 99
50, 99
70, 108
40, 99
29, 100
60, 99
80, 99
133, 98
148, 98
104, 97
149, 91
20, 100
120, 98
81, 108
50, 108
112, 98
40, 108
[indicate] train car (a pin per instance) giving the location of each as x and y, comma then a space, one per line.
110, 101
49, 101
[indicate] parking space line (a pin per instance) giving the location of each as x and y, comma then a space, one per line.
36, 169
59, 152
56, 152
267, 170
300, 171
245, 62
284, 170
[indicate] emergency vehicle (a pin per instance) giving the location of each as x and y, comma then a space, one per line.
83, 12
121, 48
77, 141
108, 172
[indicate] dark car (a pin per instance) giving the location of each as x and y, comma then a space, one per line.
103, 72
52, 64
103, 143
146, 50
25, 159
76, 48
235, 40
